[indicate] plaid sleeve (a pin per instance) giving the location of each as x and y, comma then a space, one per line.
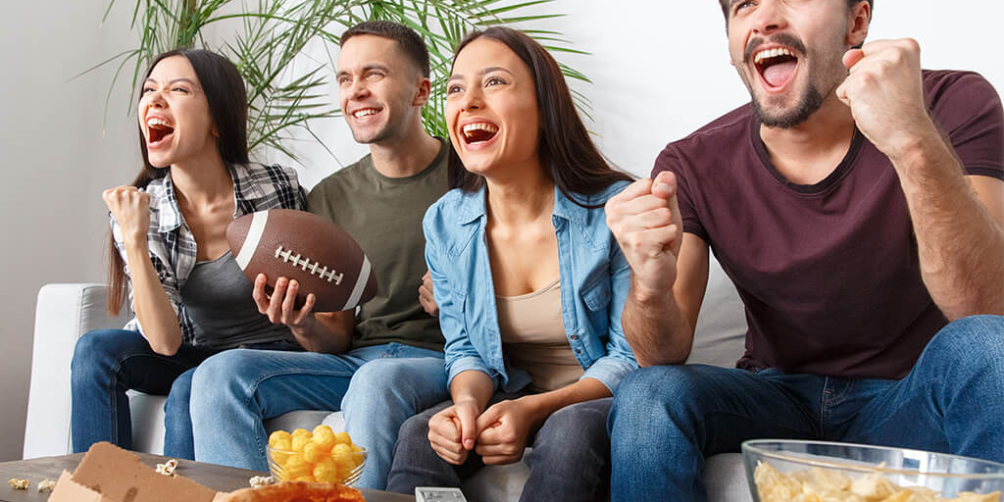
279, 188
159, 257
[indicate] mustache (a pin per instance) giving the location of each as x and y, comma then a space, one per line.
781, 39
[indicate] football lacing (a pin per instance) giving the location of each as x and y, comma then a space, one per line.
305, 264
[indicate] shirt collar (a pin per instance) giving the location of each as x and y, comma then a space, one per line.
245, 191
472, 207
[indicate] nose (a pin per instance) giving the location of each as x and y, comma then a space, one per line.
357, 89
472, 99
769, 17
156, 99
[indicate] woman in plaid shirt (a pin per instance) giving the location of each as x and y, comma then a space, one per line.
169, 251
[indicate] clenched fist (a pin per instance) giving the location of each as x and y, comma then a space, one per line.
645, 219
131, 208
884, 89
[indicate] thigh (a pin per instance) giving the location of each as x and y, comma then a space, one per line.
127, 356
278, 382
718, 408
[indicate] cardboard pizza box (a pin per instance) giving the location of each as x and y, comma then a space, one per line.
110, 474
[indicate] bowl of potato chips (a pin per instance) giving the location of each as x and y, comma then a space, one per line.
820, 471
321, 456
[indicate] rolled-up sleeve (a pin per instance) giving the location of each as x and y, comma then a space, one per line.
619, 360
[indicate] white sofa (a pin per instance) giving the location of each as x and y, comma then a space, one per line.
66, 311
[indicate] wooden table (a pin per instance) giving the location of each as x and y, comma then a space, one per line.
219, 478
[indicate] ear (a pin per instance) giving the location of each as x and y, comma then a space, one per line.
424, 90
859, 19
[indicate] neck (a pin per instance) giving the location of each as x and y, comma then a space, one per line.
202, 181
825, 133
521, 195
406, 155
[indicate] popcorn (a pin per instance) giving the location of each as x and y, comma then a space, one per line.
46, 485
19, 484
260, 481
168, 468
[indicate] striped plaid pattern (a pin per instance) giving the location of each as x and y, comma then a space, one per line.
257, 187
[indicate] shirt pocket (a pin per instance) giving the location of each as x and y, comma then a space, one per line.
596, 296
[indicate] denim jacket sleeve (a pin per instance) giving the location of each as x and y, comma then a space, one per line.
619, 359
460, 353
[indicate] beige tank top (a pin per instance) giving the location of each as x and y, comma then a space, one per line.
533, 336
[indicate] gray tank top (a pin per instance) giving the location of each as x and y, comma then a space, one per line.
217, 297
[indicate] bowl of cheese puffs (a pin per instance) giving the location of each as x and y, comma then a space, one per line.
321, 456
821, 471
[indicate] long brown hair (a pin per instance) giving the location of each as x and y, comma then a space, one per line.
224, 88
567, 153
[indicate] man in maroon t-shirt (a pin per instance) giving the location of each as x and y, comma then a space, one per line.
858, 206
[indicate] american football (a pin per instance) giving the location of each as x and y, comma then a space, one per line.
307, 248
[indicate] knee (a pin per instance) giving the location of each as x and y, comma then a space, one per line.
577, 428
414, 434
976, 342
395, 383
219, 380
181, 390
654, 396
96, 352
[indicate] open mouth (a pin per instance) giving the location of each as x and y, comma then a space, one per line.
776, 66
158, 130
479, 132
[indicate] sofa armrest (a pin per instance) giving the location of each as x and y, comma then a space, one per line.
63, 313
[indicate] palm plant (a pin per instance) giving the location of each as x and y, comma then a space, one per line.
269, 39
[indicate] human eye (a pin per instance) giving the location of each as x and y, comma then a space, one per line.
182, 90
374, 74
453, 89
494, 80
740, 6
146, 89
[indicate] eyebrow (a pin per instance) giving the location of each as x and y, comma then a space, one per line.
482, 72
182, 79
368, 67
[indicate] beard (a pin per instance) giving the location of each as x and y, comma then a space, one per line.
810, 101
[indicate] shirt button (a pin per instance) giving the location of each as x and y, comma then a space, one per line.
577, 351
574, 337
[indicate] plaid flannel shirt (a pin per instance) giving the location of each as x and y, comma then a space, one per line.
172, 246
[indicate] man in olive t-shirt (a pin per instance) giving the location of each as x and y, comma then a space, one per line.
380, 365
858, 206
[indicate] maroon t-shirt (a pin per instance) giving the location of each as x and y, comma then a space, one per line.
829, 273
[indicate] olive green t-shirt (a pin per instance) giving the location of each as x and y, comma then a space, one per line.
384, 215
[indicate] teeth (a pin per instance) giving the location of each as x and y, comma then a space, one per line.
480, 126
364, 113
771, 53
156, 122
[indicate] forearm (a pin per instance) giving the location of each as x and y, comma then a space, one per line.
473, 386
326, 332
546, 403
153, 308
960, 244
656, 328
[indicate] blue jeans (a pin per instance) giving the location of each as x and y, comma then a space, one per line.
107, 363
378, 388
667, 419
569, 459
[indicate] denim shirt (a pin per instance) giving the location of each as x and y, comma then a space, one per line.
594, 286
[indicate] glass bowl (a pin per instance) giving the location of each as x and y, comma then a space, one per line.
334, 467
803, 471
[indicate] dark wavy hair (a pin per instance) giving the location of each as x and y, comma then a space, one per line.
227, 98
567, 153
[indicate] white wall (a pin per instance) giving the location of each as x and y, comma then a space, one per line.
660, 70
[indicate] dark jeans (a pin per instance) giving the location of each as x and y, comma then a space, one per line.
107, 363
667, 419
569, 460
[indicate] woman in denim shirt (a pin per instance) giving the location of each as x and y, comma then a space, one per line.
529, 281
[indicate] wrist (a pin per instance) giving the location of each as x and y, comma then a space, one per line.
646, 296
913, 143
535, 407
